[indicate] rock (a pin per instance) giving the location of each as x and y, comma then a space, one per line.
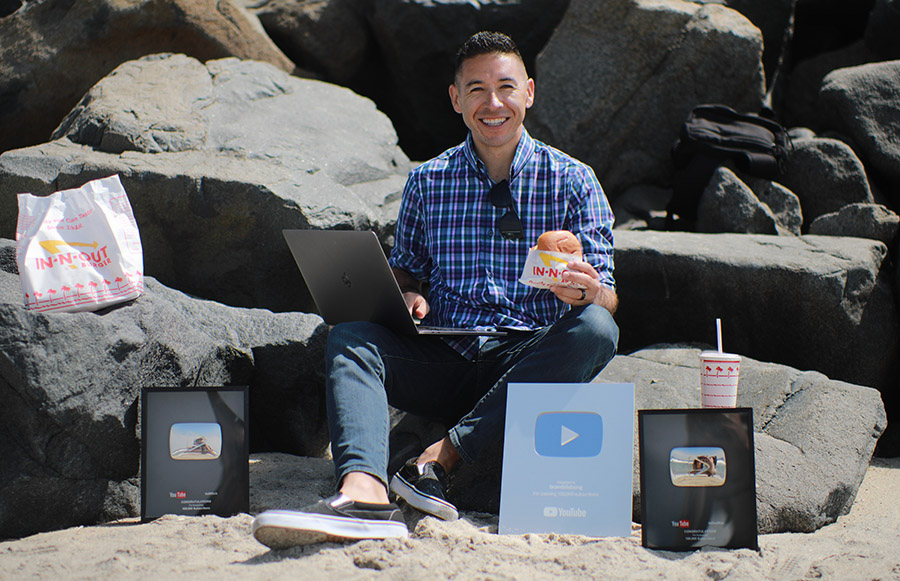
860, 220
814, 436
217, 166
70, 384
784, 204
611, 83
862, 102
805, 80
775, 20
783, 299
729, 205
826, 175
881, 30
328, 37
51, 52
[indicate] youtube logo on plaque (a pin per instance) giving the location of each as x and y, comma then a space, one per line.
568, 434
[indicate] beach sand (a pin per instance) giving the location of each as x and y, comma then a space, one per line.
864, 544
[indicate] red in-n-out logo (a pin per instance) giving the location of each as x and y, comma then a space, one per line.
682, 524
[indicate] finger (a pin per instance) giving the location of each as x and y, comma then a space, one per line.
420, 307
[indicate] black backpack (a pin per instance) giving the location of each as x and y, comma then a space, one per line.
713, 135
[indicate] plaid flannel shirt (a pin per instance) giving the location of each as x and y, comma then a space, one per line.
447, 235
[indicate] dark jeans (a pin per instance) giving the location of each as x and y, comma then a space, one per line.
369, 367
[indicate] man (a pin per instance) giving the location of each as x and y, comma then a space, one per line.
467, 220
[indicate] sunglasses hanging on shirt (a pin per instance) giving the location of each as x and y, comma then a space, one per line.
509, 225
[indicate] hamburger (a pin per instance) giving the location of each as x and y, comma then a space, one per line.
559, 241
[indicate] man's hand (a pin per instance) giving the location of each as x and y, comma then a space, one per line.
412, 293
582, 273
416, 303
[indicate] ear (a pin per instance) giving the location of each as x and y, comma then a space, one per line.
454, 98
529, 88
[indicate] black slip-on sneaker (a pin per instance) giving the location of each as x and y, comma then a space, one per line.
423, 487
333, 519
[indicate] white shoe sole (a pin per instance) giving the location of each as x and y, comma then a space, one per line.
282, 529
427, 504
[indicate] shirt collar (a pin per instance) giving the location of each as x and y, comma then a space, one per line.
524, 150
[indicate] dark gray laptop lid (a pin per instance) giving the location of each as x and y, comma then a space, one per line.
349, 278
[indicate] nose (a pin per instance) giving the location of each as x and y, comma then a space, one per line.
495, 100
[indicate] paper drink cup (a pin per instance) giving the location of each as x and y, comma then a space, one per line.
719, 379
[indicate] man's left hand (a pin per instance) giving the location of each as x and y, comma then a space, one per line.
582, 273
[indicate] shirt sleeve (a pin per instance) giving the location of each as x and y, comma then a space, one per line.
591, 220
409, 252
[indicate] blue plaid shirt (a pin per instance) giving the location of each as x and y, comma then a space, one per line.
447, 235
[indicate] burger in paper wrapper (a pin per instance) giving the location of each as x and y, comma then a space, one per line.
547, 261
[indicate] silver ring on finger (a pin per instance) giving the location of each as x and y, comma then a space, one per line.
583, 295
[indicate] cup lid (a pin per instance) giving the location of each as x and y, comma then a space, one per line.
720, 356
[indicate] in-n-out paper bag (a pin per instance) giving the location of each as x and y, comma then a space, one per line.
79, 249
544, 269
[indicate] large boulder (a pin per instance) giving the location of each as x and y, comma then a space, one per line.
217, 159
811, 302
70, 384
775, 20
618, 77
51, 52
802, 85
881, 30
814, 437
862, 103
330, 38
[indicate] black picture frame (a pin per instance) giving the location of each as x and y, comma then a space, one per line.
195, 450
697, 478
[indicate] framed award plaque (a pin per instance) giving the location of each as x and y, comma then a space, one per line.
194, 451
698, 479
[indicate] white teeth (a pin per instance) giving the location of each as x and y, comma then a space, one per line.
493, 122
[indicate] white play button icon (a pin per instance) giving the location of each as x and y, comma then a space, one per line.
567, 435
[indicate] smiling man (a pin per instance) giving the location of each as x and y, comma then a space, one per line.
466, 223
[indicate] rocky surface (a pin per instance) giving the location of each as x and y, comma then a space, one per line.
219, 148
217, 159
53, 51
71, 383
781, 299
619, 57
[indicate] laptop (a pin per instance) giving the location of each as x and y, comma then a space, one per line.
349, 279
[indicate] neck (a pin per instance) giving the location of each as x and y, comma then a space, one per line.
497, 160
497, 165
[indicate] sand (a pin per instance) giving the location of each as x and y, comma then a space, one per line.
864, 544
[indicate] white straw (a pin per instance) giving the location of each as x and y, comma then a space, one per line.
719, 333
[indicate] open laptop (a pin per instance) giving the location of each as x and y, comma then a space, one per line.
349, 278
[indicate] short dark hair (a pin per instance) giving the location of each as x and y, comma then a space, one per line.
485, 42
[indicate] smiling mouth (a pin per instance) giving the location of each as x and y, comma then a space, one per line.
494, 121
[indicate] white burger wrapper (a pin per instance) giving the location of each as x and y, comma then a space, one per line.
544, 269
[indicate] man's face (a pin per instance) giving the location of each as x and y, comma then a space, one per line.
492, 92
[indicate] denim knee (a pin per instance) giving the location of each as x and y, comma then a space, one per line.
598, 327
347, 336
